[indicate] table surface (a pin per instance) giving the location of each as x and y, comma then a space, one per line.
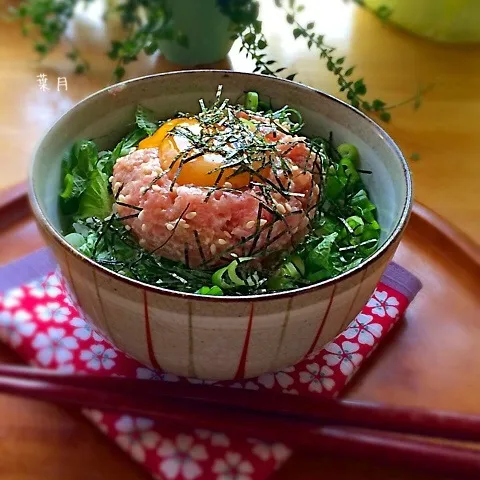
393, 63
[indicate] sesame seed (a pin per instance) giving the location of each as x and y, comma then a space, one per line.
295, 168
185, 225
227, 185
143, 189
144, 227
128, 227
190, 215
281, 209
250, 224
142, 242
262, 222
156, 188
169, 226
213, 249
288, 207
141, 215
295, 230
110, 179
227, 234
116, 186
121, 198
221, 241
316, 190
146, 170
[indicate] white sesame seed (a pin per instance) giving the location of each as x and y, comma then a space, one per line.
250, 224
144, 227
156, 188
262, 222
121, 198
221, 241
213, 249
116, 186
295, 168
190, 215
169, 226
295, 230
281, 209
185, 225
146, 170
143, 190
141, 215
288, 207
227, 234
227, 185
316, 190
142, 242
128, 227
110, 179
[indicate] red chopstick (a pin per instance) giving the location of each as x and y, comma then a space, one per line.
299, 431
448, 425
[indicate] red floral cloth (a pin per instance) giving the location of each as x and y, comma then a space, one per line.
45, 327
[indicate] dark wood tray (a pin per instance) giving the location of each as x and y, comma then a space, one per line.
431, 361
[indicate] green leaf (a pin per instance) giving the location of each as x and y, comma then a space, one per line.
262, 44
349, 71
310, 25
319, 257
415, 156
290, 19
385, 116
297, 32
378, 104
291, 76
96, 200
359, 87
143, 120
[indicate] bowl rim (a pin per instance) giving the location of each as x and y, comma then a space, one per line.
391, 239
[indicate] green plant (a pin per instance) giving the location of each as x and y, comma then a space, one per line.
145, 22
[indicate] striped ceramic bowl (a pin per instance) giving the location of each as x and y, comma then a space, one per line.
218, 337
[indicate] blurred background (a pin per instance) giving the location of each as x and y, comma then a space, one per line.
416, 53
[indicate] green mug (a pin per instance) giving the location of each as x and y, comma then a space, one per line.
207, 29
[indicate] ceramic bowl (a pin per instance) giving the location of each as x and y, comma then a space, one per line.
218, 337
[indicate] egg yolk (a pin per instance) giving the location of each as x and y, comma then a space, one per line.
200, 171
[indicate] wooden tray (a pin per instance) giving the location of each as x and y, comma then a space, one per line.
431, 360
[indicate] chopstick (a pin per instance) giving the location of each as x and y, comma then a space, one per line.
199, 407
448, 425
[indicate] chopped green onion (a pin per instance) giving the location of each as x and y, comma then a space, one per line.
356, 224
251, 101
217, 291
347, 150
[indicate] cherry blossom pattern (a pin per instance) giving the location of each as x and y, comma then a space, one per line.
98, 356
265, 451
216, 439
232, 467
136, 435
343, 355
247, 386
364, 329
54, 345
145, 373
50, 287
382, 304
12, 298
84, 331
96, 417
318, 378
281, 377
15, 326
52, 311
181, 458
